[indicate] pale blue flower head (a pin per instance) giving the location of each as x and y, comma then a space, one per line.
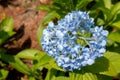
75, 41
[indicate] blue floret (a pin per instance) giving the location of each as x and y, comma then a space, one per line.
68, 44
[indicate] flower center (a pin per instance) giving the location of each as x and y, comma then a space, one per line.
84, 38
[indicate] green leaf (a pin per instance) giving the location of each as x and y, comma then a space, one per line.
4, 36
51, 74
104, 77
49, 17
28, 53
113, 47
3, 74
104, 14
43, 8
40, 33
110, 72
107, 3
83, 76
115, 36
6, 29
114, 11
116, 24
82, 3
100, 21
61, 8
89, 76
101, 10
53, 64
16, 63
31, 78
97, 68
41, 60
114, 63
44, 60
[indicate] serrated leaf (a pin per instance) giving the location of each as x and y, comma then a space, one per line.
3, 74
97, 68
110, 72
16, 63
83, 76
28, 53
115, 36
114, 59
89, 76
114, 63
7, 24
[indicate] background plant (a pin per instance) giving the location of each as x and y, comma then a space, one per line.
38, 58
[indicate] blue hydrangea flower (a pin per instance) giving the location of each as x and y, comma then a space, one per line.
75, 41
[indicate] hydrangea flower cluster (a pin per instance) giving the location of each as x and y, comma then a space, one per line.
75, 41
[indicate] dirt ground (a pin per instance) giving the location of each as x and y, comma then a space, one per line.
26, 22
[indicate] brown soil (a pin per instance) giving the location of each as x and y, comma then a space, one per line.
26, 22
